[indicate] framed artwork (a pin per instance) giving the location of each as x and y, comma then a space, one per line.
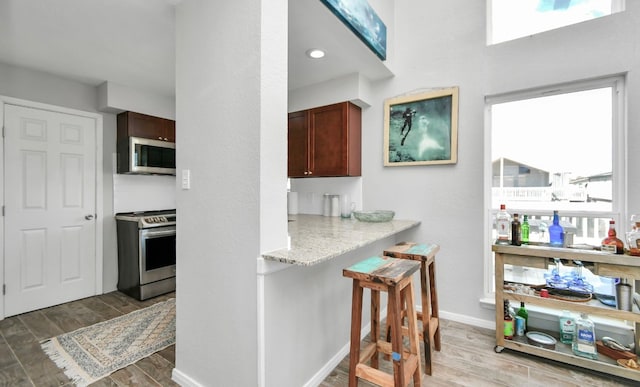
421, 129
363, 21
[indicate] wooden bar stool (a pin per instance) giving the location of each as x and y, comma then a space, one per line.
393, 276
426, 254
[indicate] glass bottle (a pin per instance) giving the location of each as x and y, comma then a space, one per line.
633, 236
567, 327
584, 339
515, 231
611, 243
509, 327
503, 222
522, 312
524, 231
555, 231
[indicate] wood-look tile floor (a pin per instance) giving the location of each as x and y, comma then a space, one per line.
23, 363
466, 359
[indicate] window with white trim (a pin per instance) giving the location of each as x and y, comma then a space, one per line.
557, 148
512, 19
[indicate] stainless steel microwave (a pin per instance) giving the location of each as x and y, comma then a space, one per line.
147, 156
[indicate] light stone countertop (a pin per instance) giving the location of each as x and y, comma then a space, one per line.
316, 238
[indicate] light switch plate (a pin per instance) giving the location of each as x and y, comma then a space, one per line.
186, 179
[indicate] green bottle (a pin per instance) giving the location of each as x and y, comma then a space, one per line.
524, 231
522, 312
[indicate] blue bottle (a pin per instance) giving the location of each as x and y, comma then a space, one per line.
555, 231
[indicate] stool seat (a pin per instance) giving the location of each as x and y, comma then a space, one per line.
425, 254
395, 277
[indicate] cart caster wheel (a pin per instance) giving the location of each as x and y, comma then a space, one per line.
498, 349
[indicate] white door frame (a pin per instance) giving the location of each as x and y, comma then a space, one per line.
99, 183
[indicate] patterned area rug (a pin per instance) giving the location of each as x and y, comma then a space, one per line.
96, 351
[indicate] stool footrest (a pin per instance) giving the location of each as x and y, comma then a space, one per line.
367, 353
384, 379
373, 375
385, 348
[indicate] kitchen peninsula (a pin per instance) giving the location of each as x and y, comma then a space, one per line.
316, 239
304, 300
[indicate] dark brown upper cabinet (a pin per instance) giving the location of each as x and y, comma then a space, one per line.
325, 141
132, 124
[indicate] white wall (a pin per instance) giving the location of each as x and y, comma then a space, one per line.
231, 119
143, 192
311, 190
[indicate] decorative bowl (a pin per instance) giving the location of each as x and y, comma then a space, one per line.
374, 216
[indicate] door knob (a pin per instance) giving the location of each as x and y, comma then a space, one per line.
88, 217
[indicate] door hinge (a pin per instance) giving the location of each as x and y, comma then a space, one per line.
4, 289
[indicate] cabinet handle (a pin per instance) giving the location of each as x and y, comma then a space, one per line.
311, 173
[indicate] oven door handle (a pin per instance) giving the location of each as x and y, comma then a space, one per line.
157, 232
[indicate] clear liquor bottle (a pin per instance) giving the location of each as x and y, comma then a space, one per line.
584, 338
503, 223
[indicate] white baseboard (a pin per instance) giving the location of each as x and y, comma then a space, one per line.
476, 322
183, 379
323, 372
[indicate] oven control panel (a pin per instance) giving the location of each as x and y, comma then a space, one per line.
155, 219
150, 219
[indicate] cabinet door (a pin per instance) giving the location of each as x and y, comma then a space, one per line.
169, 131
298, 145
142, 125
335, 140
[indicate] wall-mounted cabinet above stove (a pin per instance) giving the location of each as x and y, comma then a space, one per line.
146, 144
131, 124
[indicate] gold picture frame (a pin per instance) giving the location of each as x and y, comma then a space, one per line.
421, 129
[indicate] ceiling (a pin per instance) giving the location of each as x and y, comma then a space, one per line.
132, 42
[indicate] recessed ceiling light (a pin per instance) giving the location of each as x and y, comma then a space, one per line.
315, 53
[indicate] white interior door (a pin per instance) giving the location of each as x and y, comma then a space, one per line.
50, 207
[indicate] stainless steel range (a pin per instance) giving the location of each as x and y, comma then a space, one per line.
146, 253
